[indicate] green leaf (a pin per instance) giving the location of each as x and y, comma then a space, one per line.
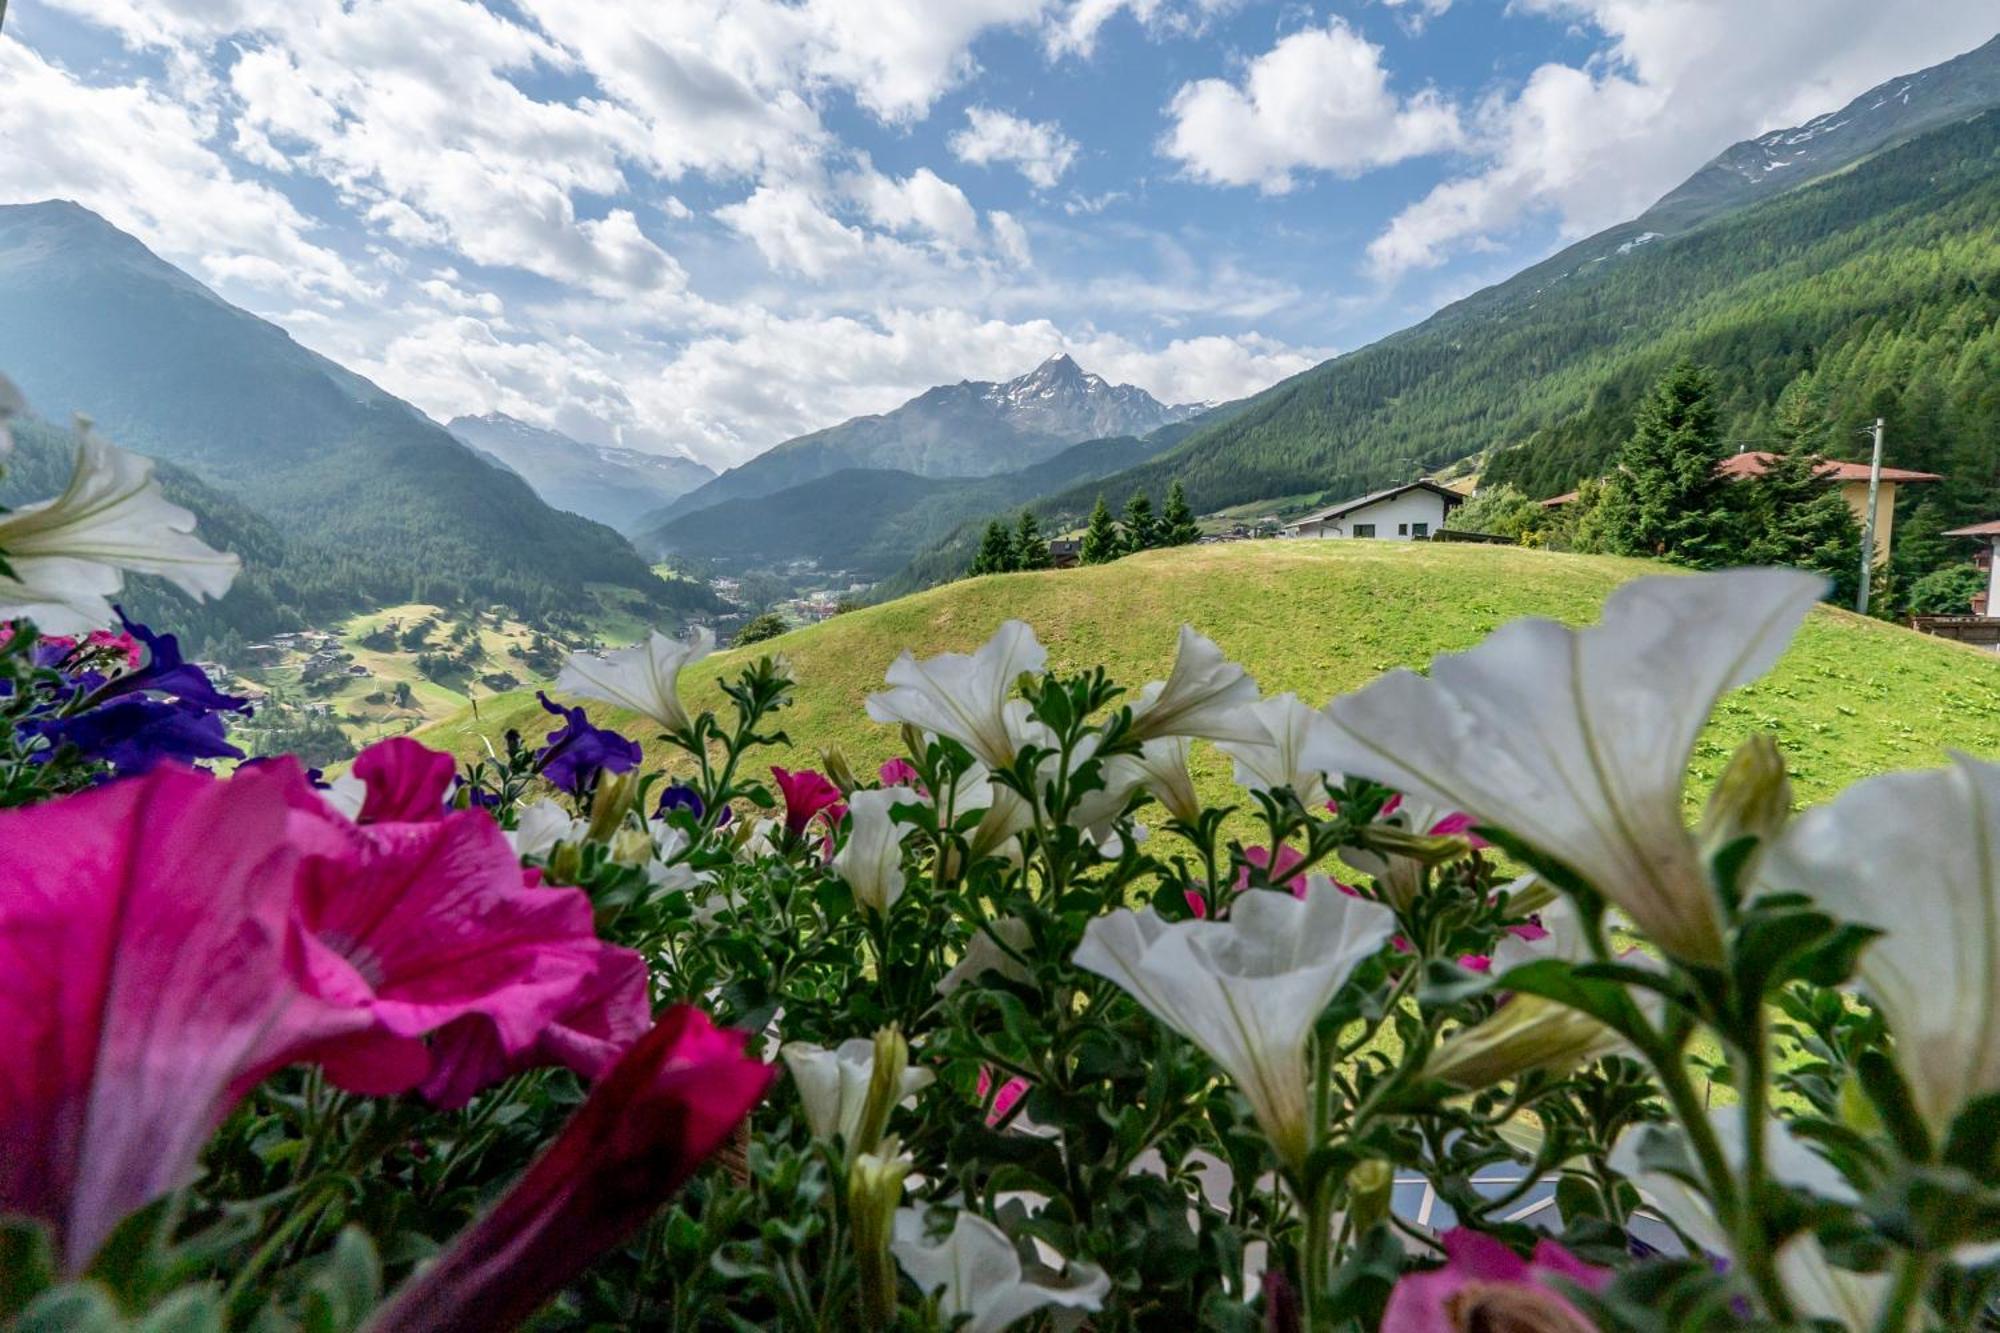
1609, 1002
27, 1263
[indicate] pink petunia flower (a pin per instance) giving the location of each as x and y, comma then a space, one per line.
1261, 858
406, 781
1485, 1285
1011, 1092
424, 925
665, 1107
143, 986
609, 1011
899, 772
808, 796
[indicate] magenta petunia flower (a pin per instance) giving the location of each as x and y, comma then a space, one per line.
1261, 858
406, 781
1485, 1285
143, 986
667, 1105
610, 1009
421, 925
1011, 1092
900, 772
808, 795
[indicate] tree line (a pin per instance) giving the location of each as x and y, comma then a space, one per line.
1008, 548
1666, 497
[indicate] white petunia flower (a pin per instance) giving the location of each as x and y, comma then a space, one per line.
1164, 763
871, 860
541, 826
1917, 855
1247, 990
347, 794
967, 698
983, 954
834, 1084
1820, 1290
71, 554
1577, 741
643, 678
1204, 696
1295, 749
978, 1272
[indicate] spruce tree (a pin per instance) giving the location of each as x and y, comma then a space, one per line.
1668, 499
1030, 550
1100, 539
1177, 525
996, 550
1793, 516
1138, 529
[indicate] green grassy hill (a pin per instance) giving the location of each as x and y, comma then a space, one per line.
1851, 698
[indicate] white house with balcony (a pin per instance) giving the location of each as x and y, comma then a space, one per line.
1412, 512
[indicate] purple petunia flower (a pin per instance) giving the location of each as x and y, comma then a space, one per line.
133, 734
579, 750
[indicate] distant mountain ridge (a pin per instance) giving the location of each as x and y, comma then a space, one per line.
1885, 241
603, 482
975, 428
391, 506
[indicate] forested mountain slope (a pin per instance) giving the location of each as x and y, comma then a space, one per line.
1884, 277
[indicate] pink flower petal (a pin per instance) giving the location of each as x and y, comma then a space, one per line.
406, 781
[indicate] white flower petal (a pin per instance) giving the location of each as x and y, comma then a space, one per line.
1577, 741
70, 554
871, 860
1296, 749
978, 1273
1164, 766
1247, 990
833, 1084
1204, 695
541, 826
643, 678
1917, 855
983, 954
964, 697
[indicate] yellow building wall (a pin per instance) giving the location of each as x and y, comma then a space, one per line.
1856, 495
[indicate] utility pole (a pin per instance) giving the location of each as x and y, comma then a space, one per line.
1868, 524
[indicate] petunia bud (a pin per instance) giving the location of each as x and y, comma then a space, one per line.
631, 847
609, 807
834, 764
874, 1192
1525, 1034
1752, 799
885, 1087
1368, 1188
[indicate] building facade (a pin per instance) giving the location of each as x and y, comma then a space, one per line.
1407, 513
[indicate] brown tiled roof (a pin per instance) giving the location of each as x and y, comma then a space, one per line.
1756, 463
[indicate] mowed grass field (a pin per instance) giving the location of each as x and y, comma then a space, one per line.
1852, 697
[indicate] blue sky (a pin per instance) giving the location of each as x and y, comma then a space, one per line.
706, 225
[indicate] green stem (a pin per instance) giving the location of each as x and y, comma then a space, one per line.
1752, 1061
235, 1299
1906, 1297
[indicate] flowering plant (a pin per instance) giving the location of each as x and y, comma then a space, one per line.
1447, 1021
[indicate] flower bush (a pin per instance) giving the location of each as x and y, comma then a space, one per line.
1017, 1032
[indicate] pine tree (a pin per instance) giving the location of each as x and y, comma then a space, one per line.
1177, 525
1138, 530
1791, 514
1100, 539
1030, 550
996, 550
1668, 499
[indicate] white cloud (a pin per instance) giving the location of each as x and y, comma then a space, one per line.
1039, 148
923, 201
1318, 100
1010, 238
1074, 31
139, 158
1679, 81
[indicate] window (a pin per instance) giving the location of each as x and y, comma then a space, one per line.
1364, 529
1420, 530
1402, 529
